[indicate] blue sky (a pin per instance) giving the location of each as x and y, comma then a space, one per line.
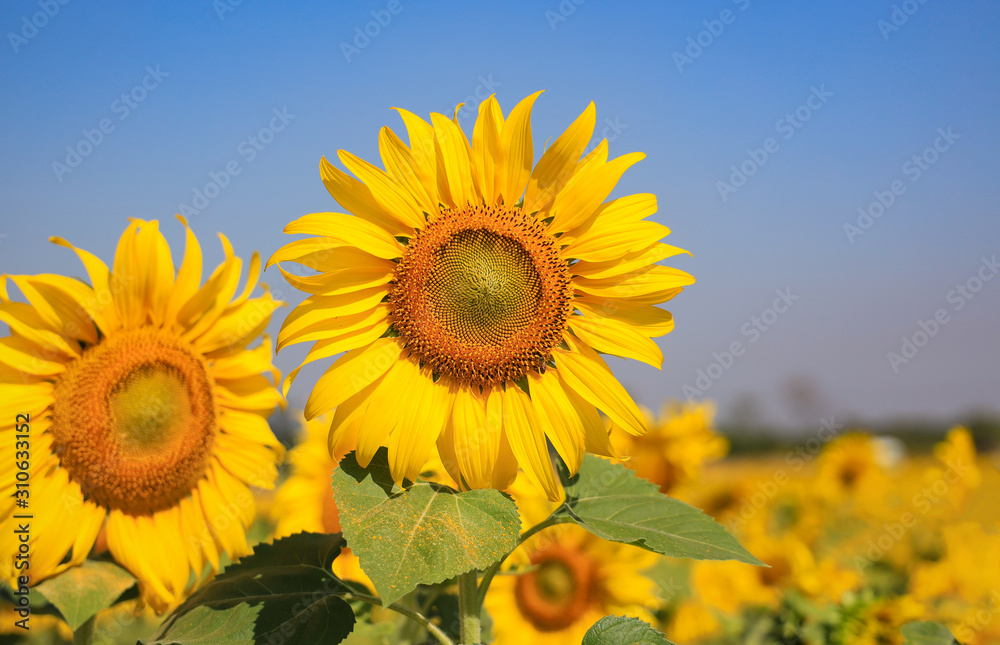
839, 97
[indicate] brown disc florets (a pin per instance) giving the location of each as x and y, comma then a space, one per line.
481, 294
134, 421
559, 590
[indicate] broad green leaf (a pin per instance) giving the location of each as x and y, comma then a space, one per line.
423, 535
623, 630
206, 626
608, 500
80, 592
286, 591
926, 633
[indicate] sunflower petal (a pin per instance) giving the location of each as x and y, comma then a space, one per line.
610, 336
350, 374
453, 151
564, 428
584, 371
559, 162
585, 191
516, 152
357, 198
527, 440
486, 149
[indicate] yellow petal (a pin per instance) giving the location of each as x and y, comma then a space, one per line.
239, 326
212, 299
626, 263
486, 149
188, 277
402, 167
601, 244
357, 199
647, 319
585, 191
613, 337
350, 374
617, 212
564, 427
345, 342
316, 326
124, 278
527, 440
559, 162
505, 470
24, 356
475, 437
101, 311
584, 371
643, 282
24, 321
349, 231
516, 152
343, 281
393, 197
595, 432
422, 150
388, 403
453, 148
158, 270
62, 303
413, 438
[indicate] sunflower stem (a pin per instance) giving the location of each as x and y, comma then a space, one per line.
415, 616
469, 608
85, 632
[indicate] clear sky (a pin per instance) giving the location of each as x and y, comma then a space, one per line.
767, 126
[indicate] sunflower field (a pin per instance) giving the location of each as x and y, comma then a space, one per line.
468, 468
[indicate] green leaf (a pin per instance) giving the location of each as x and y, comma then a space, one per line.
285, 590
423, 535
80, 592
608, 500
623, 630
206, 626
926, 633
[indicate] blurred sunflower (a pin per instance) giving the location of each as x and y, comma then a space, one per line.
304, 502
853, 467
679, 441
475, 292
570, 580
147, 411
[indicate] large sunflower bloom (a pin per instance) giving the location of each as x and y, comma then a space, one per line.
304, 501
472, 294
147, 412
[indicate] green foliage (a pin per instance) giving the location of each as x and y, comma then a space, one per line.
612, 503
80, 592
425, 534
207, 626
926, 633
623, 630
284, 591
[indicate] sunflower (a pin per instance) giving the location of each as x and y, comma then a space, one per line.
853, 467
680, 440
475, 293
304, 502
147, 412
568, 579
